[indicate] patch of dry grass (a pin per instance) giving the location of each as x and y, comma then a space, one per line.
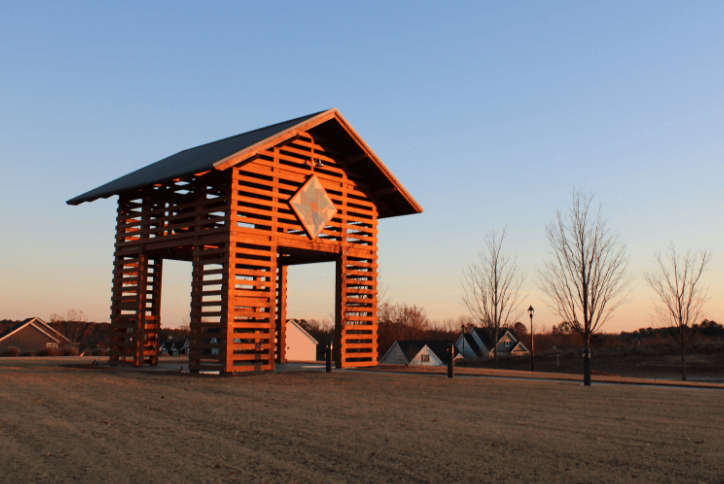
60, 424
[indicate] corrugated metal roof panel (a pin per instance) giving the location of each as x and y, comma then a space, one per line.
188, 162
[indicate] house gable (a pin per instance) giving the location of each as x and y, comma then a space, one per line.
300, 345
38, 325
507, 342
519, 349
480, 339
52, 332
32, 336
295, 326
394, 356
426, 357
470, 348
412, 350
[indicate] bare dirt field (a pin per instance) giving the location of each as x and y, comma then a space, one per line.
61, 421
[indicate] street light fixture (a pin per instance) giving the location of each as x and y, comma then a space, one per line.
532, 350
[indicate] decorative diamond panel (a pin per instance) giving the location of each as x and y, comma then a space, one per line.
313, 207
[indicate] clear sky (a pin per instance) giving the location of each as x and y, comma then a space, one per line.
488, 113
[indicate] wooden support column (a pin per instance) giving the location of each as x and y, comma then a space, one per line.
209, 327
134, 316
154, 322
281, 320
340, 322
195, 329
139, 323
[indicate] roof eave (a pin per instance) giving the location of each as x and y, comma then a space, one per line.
249, 152
308, 124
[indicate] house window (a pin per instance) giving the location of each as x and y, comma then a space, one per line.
51, 345
425, 358
507, 343
399, 356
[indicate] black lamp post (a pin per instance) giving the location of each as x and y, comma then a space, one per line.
532, 349
463, 332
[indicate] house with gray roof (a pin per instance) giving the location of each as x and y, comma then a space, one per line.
478, 344
419, 353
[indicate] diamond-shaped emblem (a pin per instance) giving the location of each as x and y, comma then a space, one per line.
313, 207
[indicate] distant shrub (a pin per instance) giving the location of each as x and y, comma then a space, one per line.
52, 352
706, 347
70, 351
12, 351
99, 352
29, 353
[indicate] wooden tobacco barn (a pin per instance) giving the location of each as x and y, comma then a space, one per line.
243, 209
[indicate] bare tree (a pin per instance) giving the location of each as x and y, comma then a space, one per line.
73, 324
400, 322
586, 280
491, 287
681, 296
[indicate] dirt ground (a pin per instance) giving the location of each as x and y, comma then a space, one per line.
62, 421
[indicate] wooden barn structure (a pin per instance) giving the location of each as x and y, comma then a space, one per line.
243, 209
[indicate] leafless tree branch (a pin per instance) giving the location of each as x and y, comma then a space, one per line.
491, 287
586, 280
680, 294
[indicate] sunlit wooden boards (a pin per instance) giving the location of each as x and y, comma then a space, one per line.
237, 228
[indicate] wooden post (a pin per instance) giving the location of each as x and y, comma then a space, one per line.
155, 319
451, 362
339, 316
328, 358
281, 320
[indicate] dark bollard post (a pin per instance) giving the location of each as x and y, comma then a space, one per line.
451, 362
328, 355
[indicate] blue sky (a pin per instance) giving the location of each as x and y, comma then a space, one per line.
488, 112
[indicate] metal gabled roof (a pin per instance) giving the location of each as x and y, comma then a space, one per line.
188, 162
223, 154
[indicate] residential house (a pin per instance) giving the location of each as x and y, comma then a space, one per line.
174, 347
181, 347
479, 344
422, 353
32, 335
301, 346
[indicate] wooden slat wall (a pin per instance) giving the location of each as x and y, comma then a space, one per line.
233, 225
185, 218
252, 306
135, 300
356, 308
261, 215
209, 308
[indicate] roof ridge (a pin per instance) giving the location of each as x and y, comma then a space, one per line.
257, 129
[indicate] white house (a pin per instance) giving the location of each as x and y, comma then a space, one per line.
301, 346
420, 353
